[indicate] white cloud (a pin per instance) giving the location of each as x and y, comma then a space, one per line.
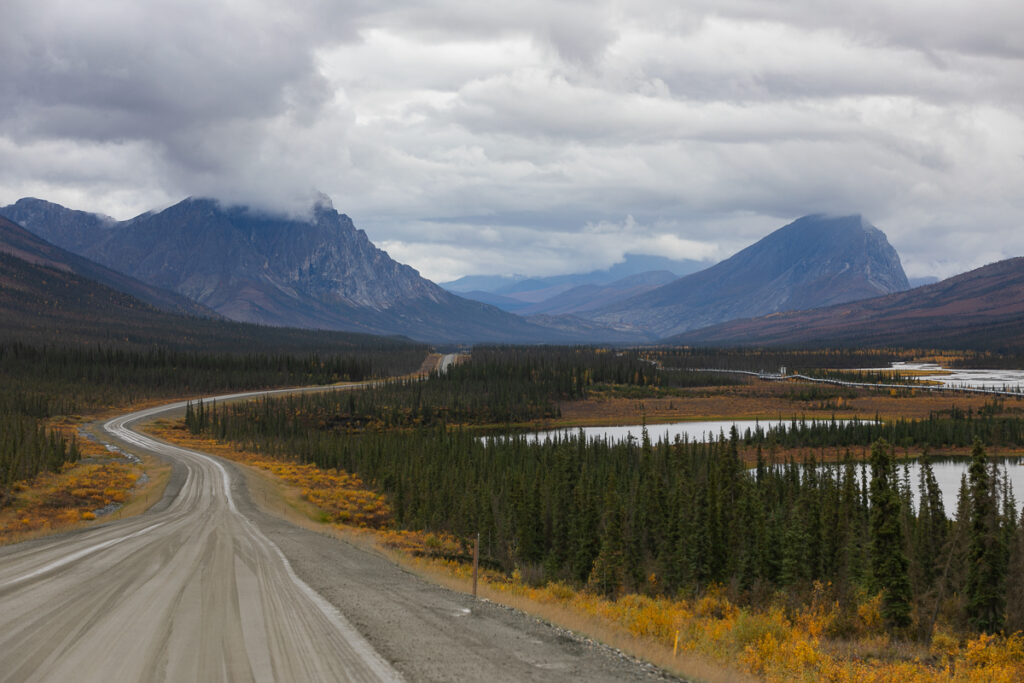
471, 140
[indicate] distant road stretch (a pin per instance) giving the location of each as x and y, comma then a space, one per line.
205, 587
446, 362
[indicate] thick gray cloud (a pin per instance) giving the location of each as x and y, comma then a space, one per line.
547, 137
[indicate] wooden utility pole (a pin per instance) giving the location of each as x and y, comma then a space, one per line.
476, 561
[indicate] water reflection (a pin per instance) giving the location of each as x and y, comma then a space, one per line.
690, 431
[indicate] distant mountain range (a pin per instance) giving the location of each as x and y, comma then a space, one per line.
319, 273
202, 259
982, 309
563, 294
814, 261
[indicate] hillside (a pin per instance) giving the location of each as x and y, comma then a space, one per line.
814, 261
17, 241
981, 309
318, 272
43, 304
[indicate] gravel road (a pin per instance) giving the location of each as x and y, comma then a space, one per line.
206, 587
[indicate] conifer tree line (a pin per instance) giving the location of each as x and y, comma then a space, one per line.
500, 385
59, 380
40, 382
28, 448
771, 359
951, 428
753, 359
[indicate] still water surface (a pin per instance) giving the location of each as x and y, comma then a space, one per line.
692, 431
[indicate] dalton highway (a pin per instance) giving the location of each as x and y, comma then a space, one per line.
205, 586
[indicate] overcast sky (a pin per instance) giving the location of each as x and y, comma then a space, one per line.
544, 138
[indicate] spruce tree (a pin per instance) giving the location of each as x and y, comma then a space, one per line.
986, 567
930, 530
608, 575
888, 561
1015, 584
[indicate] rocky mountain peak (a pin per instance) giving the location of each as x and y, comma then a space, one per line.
317, 271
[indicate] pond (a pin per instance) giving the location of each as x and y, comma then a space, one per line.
691, 431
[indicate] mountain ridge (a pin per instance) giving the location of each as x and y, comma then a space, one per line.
42, 302
21, 243
982, 308
814, 261
321, 273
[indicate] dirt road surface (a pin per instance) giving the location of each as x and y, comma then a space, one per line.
206, 587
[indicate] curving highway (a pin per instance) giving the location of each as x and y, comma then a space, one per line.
192, 592
206, 587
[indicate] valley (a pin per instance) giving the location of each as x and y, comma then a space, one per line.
560, 341
330, 458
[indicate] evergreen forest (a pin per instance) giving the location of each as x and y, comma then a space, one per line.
660, 517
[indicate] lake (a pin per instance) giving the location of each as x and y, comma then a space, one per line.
691, 431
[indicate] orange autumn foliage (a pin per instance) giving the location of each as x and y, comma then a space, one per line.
54, 500
342, 498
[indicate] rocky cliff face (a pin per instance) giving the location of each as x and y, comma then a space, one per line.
814, 261
320, 272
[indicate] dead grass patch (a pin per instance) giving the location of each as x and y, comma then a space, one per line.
764, 401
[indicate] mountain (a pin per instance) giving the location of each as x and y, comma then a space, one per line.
631, 264
44, 301
980, 309
318, 272
540, 308
543, 299
566, 294
505, 303
589, 297
814, 261
17, 241
480, 283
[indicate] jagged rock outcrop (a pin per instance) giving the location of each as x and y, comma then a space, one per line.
316, 272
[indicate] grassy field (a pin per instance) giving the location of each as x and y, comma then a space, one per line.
766, 401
